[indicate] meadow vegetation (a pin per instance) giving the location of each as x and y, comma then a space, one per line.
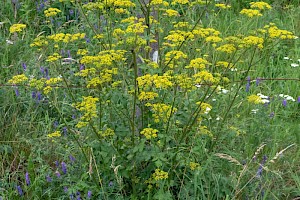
157, 99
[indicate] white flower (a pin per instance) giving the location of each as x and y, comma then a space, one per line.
224, 91
262, 96
155, 57
254, 111
294, 65
286, 58
9, 42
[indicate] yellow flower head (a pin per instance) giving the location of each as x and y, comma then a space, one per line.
17, 28
160, 175
149, 133
251, 13
255, 99
260, 5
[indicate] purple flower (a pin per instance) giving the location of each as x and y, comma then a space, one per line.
257, 81
55, 124
271, 115
72, 159
47, 73
78, 195
57, 174
65, 130
65, 189
48, 179
284, 102
33, 94
27, 179
81, 67
248, 84
17, 92
39, 95
24, 66
298, 100
89, 194
69, 54
56, 163
42, 69
64, 167
260, 169
20, 191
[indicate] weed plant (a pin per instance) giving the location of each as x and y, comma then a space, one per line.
149, 99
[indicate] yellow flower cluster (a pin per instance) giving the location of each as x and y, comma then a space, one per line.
93, 6
274, 32
37, 83
49, 82
82, 52
148, 80
39, 42
106, 133
146, 96
51, 12
174, 2
159, 2
227, 48
66, 38
251, 13
104, 58
204, 77
174, 55
122, 3
198, 63
177, 37
253, 41
205, 32
88, 107
171, 13
260, 5
136, 28
18, 79
105, 76
53, 57
182, 25
184, 81
162, 112
224, 64
54, 134
205, 108
17, 28
194, 166
222, 6
255, 99
149, 133
160, 175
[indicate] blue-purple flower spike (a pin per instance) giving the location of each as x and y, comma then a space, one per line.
48, 179
63, 167
17, 92
20, 191
248, 84
24, 66
298, 100
284, 102
27, 179
89, 194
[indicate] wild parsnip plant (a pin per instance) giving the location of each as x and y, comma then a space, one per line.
149, 99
